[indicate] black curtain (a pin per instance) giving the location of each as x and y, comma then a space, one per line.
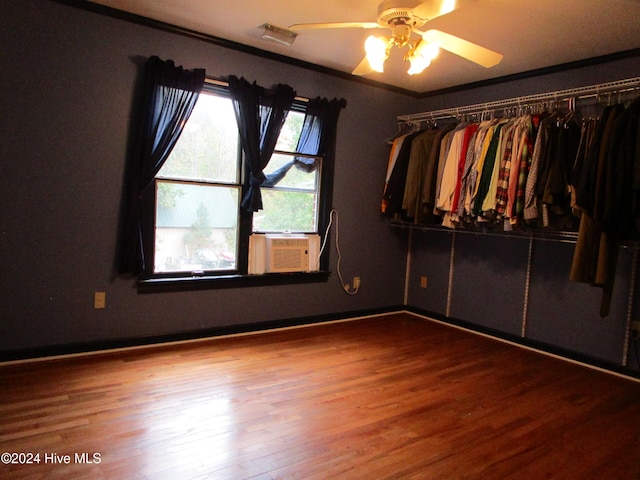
260, 114
168, 97
316, 136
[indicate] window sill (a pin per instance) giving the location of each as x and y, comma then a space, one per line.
206, 282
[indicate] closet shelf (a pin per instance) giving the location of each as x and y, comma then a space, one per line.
610, 88
532, 233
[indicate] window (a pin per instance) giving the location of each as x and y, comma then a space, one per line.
198, 193
204, 154
290, 202
200, 228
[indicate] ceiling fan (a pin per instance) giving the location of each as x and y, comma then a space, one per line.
405, 18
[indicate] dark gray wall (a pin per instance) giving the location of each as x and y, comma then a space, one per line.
482, 279
488, 273
68, 84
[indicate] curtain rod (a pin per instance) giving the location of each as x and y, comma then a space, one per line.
560, 95
223, 83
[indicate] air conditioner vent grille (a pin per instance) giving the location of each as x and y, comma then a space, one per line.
289, 259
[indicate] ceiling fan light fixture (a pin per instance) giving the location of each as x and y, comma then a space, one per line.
421, 55
428, 50
405, 18
418, 65
401, 34
377, 49
447, 6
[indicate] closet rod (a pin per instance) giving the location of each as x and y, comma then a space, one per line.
560, 95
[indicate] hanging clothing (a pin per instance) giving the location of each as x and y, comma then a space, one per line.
394, 193
448, 141
596, 250
555, 191
450, 170
466, 177
587, 135
463, 161
520, 170
537, 170
504, 170
486, 177
621, 207
430, 184
616, 212
393, 156
416, 173
480, 147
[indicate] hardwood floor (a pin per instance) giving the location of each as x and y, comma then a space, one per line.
386, 397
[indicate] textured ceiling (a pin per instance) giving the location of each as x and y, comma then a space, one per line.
531, 34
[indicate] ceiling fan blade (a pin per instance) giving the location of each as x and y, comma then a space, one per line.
435, 8
471, 51
363, 68
317, 26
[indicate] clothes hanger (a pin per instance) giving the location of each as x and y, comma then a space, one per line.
404, 128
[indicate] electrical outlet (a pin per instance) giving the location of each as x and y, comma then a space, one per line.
423, 282
100, 300
356, 282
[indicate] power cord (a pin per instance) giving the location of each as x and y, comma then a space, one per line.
347, 288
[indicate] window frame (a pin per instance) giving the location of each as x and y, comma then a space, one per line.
278, 188
149, 280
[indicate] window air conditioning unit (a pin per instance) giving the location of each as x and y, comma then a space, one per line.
277, 253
